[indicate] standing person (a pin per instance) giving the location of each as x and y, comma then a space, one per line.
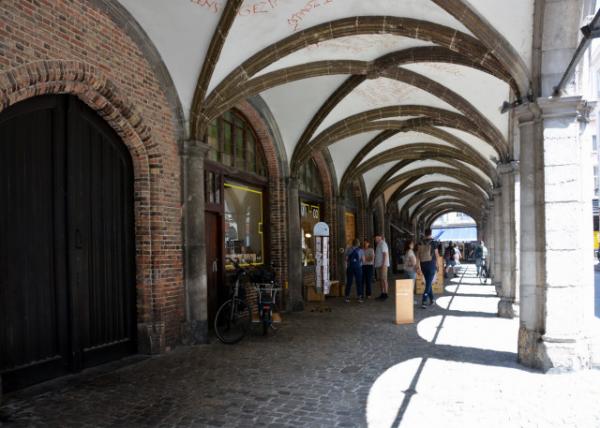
367, 267
481, 253
354, 258
427, 254
382, 262
448, 258
410, 263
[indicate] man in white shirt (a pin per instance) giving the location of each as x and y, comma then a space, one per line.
382, 262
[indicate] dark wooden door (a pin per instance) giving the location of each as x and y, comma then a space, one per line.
214, 262
67, 273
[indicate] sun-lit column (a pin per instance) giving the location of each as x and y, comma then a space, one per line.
506, 305
498, 244
556, 242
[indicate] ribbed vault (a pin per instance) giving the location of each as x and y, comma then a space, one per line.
390, 90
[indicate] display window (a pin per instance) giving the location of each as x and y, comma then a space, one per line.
243, 217
310, 214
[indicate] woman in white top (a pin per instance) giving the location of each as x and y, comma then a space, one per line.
367, 267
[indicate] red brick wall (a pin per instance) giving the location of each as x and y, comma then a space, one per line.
277, 207
72, 47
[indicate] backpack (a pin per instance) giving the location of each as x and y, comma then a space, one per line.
478, 252
426, 251
354, 258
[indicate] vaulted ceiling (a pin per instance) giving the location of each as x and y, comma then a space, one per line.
403, 94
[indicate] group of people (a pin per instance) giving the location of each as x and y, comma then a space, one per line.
362, 263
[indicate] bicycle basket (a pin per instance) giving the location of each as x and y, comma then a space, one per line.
262, 276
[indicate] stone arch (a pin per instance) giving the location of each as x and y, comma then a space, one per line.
431, 218
421, 151
326, 68
464, 175
426, 196
424, 187
407, 27
101, 95
446, 207
375, 120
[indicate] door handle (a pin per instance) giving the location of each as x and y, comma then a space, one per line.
215, 267
78, 240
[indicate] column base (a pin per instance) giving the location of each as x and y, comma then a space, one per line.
552, 355
151, 338
498, 286
507, 308
194, 332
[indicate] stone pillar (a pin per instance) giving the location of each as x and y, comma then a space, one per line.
506, 306
556, 246
498, 244
341, 240
195, 328
490, 240
295, 282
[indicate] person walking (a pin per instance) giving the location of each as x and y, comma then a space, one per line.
427, 255
481, 253
382, 263
354, 258
367, 267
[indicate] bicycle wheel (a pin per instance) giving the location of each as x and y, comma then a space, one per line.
232, 323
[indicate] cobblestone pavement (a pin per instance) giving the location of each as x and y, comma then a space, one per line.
455, 367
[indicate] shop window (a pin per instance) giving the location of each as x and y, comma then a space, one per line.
310, 214
232, 142
243, 217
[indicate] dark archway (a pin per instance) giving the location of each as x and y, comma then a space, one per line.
67, 253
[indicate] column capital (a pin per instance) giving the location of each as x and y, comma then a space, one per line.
564, 108
497, 191
527, 113
194, 149
508, 167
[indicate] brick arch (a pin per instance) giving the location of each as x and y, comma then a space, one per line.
277, 190
424, 187
101, 95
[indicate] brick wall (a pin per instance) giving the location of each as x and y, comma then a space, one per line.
74, 47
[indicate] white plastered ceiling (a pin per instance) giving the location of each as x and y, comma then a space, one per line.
182, 31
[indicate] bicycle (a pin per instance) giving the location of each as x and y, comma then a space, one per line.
234, 317
484, 272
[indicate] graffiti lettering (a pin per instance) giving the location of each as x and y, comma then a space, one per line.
258, 7
213, 5
296, 18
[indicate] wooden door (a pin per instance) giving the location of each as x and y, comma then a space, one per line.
101, 243
214, 262
34, 339
67, 256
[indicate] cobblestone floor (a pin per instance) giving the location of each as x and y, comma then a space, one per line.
455, 367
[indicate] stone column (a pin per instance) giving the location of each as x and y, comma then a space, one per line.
498, 244
506, 306
340, 245
295, 283
556, 244
490, 240
195, 328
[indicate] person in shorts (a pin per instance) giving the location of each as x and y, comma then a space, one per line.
382, 263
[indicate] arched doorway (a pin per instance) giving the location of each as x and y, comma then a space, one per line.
67, 252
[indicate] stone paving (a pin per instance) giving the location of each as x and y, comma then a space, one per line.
455, 367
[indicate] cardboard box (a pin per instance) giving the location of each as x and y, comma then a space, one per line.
313, 296
404, 301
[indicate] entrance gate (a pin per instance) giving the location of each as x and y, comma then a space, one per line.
67, 250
